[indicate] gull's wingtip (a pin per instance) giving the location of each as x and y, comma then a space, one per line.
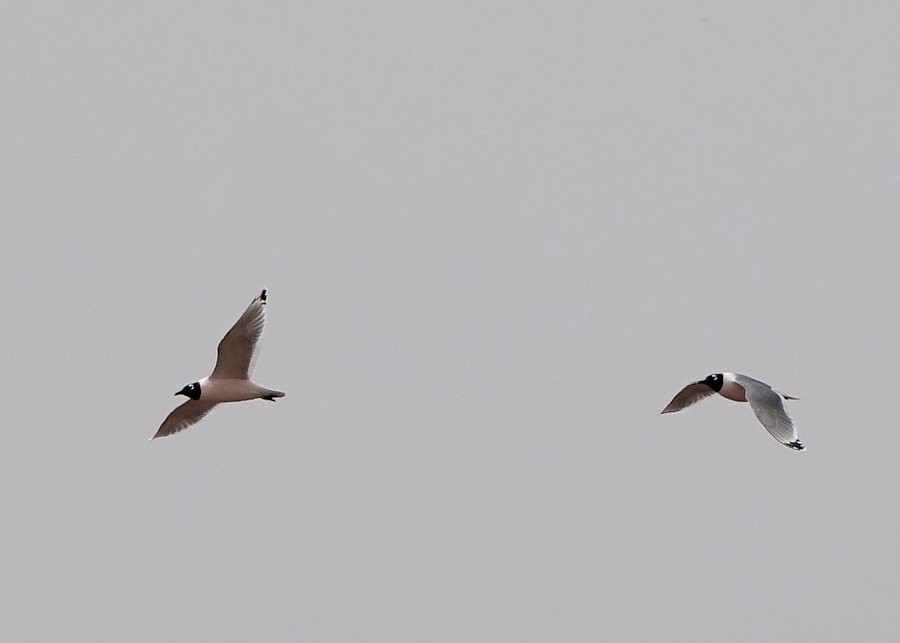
262, 295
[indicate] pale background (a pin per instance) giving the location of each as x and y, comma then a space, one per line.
497, 240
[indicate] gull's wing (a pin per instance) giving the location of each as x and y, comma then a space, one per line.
238, 347
690, 394
183, 416
769, 409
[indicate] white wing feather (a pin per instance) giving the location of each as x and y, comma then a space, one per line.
769, 409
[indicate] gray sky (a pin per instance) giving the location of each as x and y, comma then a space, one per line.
497, 240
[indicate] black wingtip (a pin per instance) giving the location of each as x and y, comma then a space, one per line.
262, 295
796, 445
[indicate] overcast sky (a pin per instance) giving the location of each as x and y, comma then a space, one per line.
497, 240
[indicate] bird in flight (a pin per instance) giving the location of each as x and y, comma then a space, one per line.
764, 400
230, 380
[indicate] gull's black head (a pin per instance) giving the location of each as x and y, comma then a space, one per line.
191, 390
714, 381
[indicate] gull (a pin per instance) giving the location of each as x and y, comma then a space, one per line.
230, 379
764, 400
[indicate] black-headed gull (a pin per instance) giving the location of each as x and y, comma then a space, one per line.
230, 379
764, 401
